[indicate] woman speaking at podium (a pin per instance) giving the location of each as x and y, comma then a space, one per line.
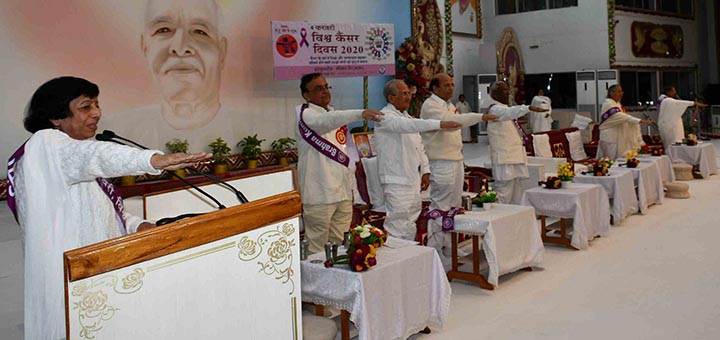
59, 195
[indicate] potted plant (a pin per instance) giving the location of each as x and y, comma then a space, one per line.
178, 146
281, 147
220, 151
250, 149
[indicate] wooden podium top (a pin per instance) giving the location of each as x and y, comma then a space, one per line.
142, 246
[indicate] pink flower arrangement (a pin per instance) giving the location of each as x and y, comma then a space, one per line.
361, 254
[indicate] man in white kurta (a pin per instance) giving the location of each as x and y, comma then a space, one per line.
469, 134
444, 151
670, 112
325, 185
60, 207
541, 121
402, 160
619, 131
507, 153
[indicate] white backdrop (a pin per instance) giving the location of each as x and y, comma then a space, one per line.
100, 41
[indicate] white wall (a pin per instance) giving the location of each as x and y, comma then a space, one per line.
100, 41
567, 39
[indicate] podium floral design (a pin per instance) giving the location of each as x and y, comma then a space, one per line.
274, 250
93, 309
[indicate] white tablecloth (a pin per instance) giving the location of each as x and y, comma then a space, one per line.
667, 174
586, 204
511, 237
702, 155
620, 187
536, 173
648, 182
404, 293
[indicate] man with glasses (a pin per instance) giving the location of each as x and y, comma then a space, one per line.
444, 150
402, 160
324, 179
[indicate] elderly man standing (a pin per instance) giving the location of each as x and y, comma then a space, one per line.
670, 111
324, 179
402, 160
619, 131
444, 151
509, 160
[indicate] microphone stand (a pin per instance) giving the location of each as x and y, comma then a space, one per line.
108, 137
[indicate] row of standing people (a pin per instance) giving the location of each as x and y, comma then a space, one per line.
412, 155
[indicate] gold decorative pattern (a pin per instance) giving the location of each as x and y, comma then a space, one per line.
293, 308
91, 300
510, 65
191, 256
427, 27
277, 259
558, 150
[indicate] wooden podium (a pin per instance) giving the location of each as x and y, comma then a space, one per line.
231, 273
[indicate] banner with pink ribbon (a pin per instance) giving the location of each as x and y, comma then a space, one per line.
333, 49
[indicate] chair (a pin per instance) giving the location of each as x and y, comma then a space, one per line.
370, 190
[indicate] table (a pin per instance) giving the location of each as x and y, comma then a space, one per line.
403, 294
667, 174
586, 204
702, 155
648, 183
620, 187
510, 239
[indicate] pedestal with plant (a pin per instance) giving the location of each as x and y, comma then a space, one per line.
250, 149
220, 151
281, 147
178, 146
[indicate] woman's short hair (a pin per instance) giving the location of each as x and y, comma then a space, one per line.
52, 101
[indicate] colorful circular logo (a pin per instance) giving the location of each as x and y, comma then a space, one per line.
286, 45
379, 42
340, 136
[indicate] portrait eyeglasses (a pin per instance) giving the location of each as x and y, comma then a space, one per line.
321, 88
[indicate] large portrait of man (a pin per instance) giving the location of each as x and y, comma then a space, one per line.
185, 50
184, 46
466, 17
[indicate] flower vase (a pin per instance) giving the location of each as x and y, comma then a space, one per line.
284, 161
179, 173
252, 163
127, 180
219, 169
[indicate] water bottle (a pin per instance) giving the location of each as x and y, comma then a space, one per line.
304, 249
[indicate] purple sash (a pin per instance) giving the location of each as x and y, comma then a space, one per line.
113, 193
518, 127
319, 143
613, 110
448, 222
10, 175
658, 103
108, 188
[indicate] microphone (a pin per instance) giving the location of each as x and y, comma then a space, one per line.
108, 135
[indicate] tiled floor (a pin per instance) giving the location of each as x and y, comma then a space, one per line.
654, 277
